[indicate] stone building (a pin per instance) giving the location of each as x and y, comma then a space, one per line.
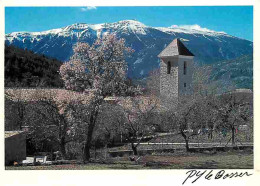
176, 69
15, 147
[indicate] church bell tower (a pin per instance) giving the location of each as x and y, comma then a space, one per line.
176, 70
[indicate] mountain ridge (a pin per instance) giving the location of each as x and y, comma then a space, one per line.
131, 23
208, 46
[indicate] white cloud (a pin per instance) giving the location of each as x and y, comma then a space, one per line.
84, 9
193, 27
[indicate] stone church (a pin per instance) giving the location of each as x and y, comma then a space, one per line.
176, 69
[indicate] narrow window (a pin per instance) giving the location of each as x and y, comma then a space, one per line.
184, 68
184, 85
168, 67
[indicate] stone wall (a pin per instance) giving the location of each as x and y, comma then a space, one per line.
185, 78
169, 82
15, 147
172, 85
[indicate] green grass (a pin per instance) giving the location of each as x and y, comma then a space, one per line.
241, 136
183, 160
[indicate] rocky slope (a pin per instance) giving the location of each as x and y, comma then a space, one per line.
238, 71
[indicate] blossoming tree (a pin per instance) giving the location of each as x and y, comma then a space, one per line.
99, 68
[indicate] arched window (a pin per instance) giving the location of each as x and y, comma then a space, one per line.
168, 67
184, 67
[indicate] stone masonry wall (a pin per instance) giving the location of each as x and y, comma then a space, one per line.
172, 85
169, 82
185, 78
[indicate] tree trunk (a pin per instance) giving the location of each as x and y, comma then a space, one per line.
20, 124
62, 147
21, 114
62, 134
186, 141
187, 145
134, 148
233, 136
86, 153
210, 134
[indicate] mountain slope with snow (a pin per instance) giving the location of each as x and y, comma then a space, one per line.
207, 45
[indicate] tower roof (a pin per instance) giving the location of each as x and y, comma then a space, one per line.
175, 48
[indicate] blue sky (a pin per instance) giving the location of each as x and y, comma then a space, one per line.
234, 20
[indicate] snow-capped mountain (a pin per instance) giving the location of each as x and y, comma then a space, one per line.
208, 46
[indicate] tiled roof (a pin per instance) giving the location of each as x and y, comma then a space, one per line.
62, 96
176, 47
32, 94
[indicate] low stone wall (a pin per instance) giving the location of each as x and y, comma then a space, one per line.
15, 147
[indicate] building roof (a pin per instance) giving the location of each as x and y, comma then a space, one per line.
35, 94
12, 133
175, 48
62, 96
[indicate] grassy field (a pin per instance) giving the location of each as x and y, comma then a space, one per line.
217, 139
241, 136
182, 160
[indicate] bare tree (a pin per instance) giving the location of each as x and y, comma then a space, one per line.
140, 113
153, 82
189, 119
46, 122
109, 127
19, 106
48, 114
233, 109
